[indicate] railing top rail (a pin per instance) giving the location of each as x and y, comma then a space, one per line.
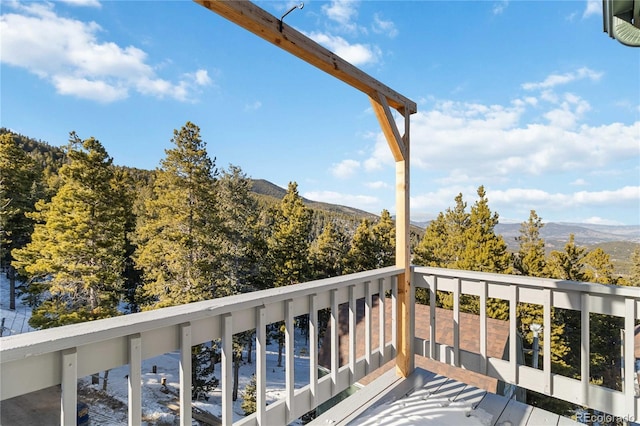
563, 285
60, 338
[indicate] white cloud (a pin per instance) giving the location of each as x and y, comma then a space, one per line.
560, 79
607, 197
380, 156
357, 54
547, 201
523, 200
201, 78
461, 145
499, 7
87, 89
341, 198
497, 142
345, 169
593, 7
88, 3
341, 11
378, 185
68, 53
256, 105
382, 26
438, 200
595, 220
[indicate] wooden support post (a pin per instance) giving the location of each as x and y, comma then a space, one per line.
256, 20
400, 149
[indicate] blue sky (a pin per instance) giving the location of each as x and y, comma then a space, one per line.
529, 98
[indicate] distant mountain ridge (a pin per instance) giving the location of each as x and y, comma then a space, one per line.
264, 187
557, 234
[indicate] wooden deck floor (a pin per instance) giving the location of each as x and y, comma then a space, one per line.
426, 398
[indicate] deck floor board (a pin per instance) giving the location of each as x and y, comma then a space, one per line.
425, 398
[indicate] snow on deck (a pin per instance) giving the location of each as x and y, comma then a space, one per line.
426, 398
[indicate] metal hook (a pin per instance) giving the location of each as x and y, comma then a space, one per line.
298, 6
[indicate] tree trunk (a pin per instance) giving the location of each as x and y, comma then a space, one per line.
236, 370
249, 349
280, 346
104, 380
12, 288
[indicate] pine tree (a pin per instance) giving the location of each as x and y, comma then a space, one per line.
242, 247
431, 249
20, 187
241, 341
461, 240
441, 245
18, 178
288, 248
567, 264
598, 267
202, 378
128, 183
75, 259
179, 232
530, 259
484, 251
249, 397
444, 240
384, 236
328, 252
290, 239
178, 235
605, 336
634, 279
362, 255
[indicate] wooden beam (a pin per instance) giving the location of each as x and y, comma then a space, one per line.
404, 333
389, 128
258, 21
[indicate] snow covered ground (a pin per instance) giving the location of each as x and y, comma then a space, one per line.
157, 400
13, 321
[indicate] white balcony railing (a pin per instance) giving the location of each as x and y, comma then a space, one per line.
37, 360
60, 356
588, 298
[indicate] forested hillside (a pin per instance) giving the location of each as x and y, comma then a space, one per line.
82, 237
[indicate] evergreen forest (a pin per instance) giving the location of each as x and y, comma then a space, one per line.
83, 239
